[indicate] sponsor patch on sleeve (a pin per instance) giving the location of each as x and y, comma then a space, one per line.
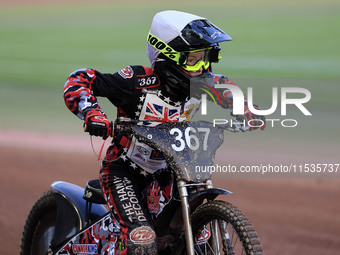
126, 72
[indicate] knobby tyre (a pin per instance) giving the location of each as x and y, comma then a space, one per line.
221, 221
40, 226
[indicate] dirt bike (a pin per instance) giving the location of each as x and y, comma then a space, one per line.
71, 220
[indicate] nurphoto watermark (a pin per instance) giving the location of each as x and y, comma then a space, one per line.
289, 96
271, 169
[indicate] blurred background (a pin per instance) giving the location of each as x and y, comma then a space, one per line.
276, 43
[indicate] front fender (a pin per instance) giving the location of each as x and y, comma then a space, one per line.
71, 212
197, 198
210, 194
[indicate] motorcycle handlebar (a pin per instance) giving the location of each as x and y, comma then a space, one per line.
123, 125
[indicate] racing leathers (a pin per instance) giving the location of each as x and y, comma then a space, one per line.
129, 173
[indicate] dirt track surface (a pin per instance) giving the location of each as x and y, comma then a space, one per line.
291, 216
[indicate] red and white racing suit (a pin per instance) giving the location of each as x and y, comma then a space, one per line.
133, 176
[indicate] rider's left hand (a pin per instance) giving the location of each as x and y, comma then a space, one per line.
250, 121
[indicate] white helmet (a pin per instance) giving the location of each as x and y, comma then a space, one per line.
173, 35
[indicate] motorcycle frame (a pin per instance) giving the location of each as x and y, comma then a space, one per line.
73, 208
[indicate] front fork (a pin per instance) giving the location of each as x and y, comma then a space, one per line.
214, 228
189, 239
183, 193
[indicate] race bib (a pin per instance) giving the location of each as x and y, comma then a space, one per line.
146, 157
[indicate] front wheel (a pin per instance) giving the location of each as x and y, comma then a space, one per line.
40, 226
220, 228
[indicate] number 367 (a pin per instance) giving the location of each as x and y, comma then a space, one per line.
190, 138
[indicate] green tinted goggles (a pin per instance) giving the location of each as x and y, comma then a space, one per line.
191, 61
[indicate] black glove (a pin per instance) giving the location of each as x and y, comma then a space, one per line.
98, 126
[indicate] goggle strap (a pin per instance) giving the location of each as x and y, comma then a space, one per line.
163, 47
178, 57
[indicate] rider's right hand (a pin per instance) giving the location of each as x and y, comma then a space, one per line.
98, 126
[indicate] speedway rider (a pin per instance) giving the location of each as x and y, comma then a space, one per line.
180, 46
